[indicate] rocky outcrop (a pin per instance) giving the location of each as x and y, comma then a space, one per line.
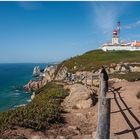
80, 97
49, 73
36, 71
34, 85
135, 68
61, 74
124, 68
45, 77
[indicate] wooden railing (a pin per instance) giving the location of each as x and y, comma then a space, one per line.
103, 128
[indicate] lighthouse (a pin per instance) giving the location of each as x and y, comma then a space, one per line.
115, 36
116, 45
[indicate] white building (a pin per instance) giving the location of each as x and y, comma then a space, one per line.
116, 45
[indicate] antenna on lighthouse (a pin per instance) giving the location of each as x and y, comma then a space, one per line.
118, 26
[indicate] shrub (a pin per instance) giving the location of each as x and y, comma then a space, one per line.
44, 110
132, 76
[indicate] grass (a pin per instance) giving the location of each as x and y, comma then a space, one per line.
135, 76
43, 111
92, 60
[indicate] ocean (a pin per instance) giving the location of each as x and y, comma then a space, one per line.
13, 76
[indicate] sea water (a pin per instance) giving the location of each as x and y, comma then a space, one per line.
12, 77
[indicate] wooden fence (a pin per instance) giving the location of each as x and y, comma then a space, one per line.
103, 128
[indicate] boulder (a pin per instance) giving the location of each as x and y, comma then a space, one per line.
79, 97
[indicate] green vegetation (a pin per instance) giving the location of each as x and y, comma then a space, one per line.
92, 60
135, 76
44, 110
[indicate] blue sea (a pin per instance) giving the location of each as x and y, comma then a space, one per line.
12, 77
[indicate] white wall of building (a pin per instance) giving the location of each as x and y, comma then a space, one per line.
115, 40
117, 48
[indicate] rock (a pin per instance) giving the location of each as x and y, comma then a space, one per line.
75, 67
116, 80
60, 137
118, 67
81, 116
74, 129
47, 76
134, 69
36, 71
85, 77
87, 136
49, 72
112, 70
61, 75
79, 97
96, 82
82, 104
94, 135
33, 96
37, 135
123, 69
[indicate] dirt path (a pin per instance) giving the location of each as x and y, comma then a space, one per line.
125, 111
82, 123
125, 115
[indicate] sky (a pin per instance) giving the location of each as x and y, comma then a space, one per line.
54, 31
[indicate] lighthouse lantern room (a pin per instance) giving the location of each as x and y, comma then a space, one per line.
115, 37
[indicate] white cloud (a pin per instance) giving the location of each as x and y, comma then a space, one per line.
132, 25
30, 5
106, 15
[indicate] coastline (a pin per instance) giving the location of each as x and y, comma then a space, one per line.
15, 76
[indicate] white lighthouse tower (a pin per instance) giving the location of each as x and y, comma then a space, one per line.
116, 45
115, 37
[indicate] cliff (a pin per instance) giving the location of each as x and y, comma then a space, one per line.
85, 68
75, 102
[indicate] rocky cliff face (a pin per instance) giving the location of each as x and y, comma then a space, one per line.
123, 68
61, 74
85, 77
36, 71
45, 77
49, 73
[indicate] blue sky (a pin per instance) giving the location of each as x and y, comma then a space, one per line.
54, 31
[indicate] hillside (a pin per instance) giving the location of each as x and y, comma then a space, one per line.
38, 115
92, 60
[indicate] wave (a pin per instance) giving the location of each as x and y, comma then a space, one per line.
29, 100
17, 93
15, 106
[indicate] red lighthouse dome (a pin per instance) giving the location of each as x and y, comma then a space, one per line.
115, 32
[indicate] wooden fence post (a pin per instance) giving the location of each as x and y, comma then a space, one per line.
103, 128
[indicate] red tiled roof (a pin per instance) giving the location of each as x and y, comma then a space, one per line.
137, 44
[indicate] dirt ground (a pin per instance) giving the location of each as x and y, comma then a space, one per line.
125, 114
82, 123
125, 110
